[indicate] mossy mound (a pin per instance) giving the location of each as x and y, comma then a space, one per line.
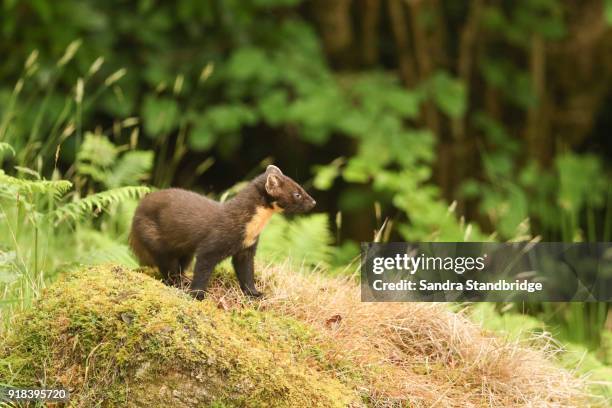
115, 337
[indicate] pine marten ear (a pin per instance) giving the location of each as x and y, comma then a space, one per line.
273, 169
273, 182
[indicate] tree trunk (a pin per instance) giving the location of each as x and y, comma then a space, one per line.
370, 20
334, 20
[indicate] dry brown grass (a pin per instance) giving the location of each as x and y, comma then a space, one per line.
413, 354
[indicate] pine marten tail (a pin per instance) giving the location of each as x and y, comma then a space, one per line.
138, 248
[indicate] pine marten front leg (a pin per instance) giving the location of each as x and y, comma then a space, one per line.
243, 262
244, 266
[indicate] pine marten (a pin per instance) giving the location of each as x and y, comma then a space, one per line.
172, 225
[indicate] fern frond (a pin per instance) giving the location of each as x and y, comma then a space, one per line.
133, 167
304, 240
310, 239
102, 248
55, 187
93, 172
272, 242
96, 202
97, 150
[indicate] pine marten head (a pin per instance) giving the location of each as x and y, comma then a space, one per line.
286, 193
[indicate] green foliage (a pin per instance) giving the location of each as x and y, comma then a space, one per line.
586, 362
44, 227
375, 114
279, 80
13, 187
511, 80
85, 206
132, 168
160, 116
544, 17
449, 94
103, 247
512, 194
99, 160
326, 174
305, 241
608, 11
514, 325
205, 73
521, 194
574, 193
561, 202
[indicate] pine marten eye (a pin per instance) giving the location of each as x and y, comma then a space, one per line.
297, 195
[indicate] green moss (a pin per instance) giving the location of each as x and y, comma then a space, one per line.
121, 338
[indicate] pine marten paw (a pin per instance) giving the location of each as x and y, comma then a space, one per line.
252, 292
198, 294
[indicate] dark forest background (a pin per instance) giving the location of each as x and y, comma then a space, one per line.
501, 106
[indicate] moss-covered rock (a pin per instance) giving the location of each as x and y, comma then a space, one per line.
116, 337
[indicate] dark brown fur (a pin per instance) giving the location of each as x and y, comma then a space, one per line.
171, 226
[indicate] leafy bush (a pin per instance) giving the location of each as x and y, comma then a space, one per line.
200, 89
45, 226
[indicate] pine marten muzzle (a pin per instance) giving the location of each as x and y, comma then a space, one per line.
171, 226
